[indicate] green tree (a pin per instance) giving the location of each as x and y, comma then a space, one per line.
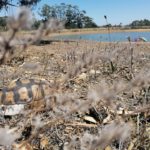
36, 24
45, 12
138, 23
88, 22
74, 17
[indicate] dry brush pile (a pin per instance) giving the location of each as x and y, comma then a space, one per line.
101, 97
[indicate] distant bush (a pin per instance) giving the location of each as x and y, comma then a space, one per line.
36, 24
140, 23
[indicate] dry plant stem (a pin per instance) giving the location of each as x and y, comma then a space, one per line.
14, 32
146, 95
120, 145
19, 23
35, 39
138, 124
81, 124
144, 109
8, 47
108, 29
131, 63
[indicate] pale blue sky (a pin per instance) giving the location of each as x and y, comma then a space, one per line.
117, 11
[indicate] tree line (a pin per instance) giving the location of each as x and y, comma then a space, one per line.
70, 14
140, 23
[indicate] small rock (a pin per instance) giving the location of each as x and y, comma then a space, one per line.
90, 119
82, 77
98, 72
108, 148
92, 72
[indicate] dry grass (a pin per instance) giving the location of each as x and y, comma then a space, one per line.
101, 99
96, 30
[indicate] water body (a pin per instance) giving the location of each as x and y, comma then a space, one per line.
104, 37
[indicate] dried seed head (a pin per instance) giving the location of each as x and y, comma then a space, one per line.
53, 25
23, 19
7, 136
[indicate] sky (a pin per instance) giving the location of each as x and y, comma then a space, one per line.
117, 11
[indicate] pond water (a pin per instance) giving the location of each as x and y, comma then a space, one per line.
104, 37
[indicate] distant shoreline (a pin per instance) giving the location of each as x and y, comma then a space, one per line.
80, 31
95, 31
